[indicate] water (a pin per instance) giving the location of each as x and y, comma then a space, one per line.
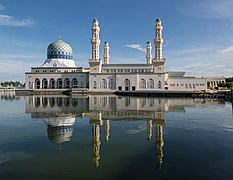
110, 137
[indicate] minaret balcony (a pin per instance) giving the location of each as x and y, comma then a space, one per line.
159, 61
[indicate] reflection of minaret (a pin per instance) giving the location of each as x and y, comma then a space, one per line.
149, 129
106, 130
96, 123
159, 123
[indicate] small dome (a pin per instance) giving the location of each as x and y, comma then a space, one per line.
59, 50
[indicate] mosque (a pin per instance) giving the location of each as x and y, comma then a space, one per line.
59, 71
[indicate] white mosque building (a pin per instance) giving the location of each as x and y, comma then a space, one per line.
59, 70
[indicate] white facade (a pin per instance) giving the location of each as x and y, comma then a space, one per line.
187, 84
59, 70
214, 81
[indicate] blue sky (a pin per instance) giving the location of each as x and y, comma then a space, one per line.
198, 35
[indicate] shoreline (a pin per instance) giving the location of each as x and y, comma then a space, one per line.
227, 95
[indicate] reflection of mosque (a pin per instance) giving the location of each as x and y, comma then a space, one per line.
59, 114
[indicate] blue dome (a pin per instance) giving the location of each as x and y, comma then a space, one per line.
59, 50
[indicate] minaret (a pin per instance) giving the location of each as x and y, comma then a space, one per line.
95, 63
95, 41
106, 53
158, 61
148, 53
158, 40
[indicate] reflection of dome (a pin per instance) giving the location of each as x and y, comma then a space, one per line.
60, 129
60, 121
59, 134
59, 50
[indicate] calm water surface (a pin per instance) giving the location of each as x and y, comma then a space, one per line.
111, 137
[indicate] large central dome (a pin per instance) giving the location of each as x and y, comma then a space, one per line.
59, 50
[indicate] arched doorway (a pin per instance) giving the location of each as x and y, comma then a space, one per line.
59, 83
127, 85
37, 83
74, 83
111, 84
52, 83
67, 83
103, 84
44, 84
142, 84
150, 84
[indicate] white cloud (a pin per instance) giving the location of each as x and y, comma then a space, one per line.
6, 20
201, 61
227, 49
14, 66
136, 46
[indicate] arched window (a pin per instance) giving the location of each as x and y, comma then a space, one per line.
150, 84
159, 85
52, 83
74, 83
59, 83
194, 86
190, 86
111, 84
30, 85
37, 83
103, 84
94, 85
142, 84
127, 84
67, 83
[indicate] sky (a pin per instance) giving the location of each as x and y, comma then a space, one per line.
198, 35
